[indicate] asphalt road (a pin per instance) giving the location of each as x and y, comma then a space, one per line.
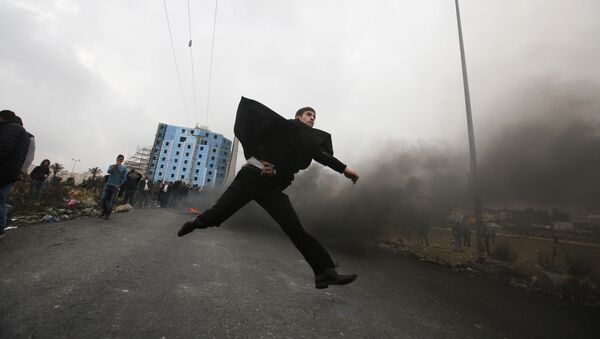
132, 277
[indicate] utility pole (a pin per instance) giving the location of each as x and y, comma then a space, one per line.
474, 177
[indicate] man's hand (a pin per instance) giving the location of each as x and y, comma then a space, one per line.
350, 174
268, 169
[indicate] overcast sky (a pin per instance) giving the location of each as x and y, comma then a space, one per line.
92, 79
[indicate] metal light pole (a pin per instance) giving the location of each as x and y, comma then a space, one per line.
474, 177
74, 163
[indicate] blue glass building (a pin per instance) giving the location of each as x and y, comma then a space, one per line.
195, 156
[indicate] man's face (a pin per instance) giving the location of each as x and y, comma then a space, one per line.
119, 160
308, 118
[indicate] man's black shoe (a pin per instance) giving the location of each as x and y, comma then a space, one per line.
331, 277
189, 227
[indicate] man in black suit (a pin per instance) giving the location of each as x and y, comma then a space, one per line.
276, 149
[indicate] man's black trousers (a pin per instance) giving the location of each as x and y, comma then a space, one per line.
250, 185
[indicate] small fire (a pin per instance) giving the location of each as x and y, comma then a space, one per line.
194, 211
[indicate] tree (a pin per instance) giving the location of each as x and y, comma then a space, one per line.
56, 167
94, 172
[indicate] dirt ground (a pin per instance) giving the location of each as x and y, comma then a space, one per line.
530, 251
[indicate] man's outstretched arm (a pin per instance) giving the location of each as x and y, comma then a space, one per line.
338, 166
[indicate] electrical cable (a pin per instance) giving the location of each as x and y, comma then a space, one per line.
192, 62
212, 50
176, 65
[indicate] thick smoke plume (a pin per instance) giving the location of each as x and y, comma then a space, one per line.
543, 151
406, 187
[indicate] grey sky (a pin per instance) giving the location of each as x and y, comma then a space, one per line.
94, 78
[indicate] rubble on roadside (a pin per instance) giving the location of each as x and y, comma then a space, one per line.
534, 279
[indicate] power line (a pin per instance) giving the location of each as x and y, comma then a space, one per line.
212, 50
192, 61
176, 66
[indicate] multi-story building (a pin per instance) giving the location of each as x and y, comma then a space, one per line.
195, 156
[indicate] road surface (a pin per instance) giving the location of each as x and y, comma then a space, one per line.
132, 277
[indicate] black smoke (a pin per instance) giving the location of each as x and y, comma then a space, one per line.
545, 149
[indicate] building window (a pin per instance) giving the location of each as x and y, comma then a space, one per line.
175, 160
189, 146
172, 175
201, 148
209, 172
174, 167
200, 156
185, 161
184, 169
165, 152
154, 157
163, 159
182, 130
208, 180
160, 173
206, 134
182, 176
212, 158
198, 163
162, 166
182, 139
197, 171
167, 143
177, 153
211, 165
215, 136
214, 150
224, 152
187, 154
179, 145
195, 178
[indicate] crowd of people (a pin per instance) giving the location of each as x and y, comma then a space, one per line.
17, 151
132, 188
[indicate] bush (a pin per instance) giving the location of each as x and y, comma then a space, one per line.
504, 252
580, 266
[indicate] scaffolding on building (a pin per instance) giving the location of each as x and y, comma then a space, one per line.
139, 161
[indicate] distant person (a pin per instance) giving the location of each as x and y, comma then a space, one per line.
423, 232
131, 185
117, 174
163, 195
466, 232
14, 146
457, 232
173, 194
145, 190
276, 149
39, 176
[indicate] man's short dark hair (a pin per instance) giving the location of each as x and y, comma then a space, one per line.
304, 109
7, 115
120, 156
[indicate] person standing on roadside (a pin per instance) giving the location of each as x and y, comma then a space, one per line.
117, 173
38, 176
131, 184
14, 146
145, 189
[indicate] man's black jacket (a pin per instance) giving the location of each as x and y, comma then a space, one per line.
289, 145
14, 144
